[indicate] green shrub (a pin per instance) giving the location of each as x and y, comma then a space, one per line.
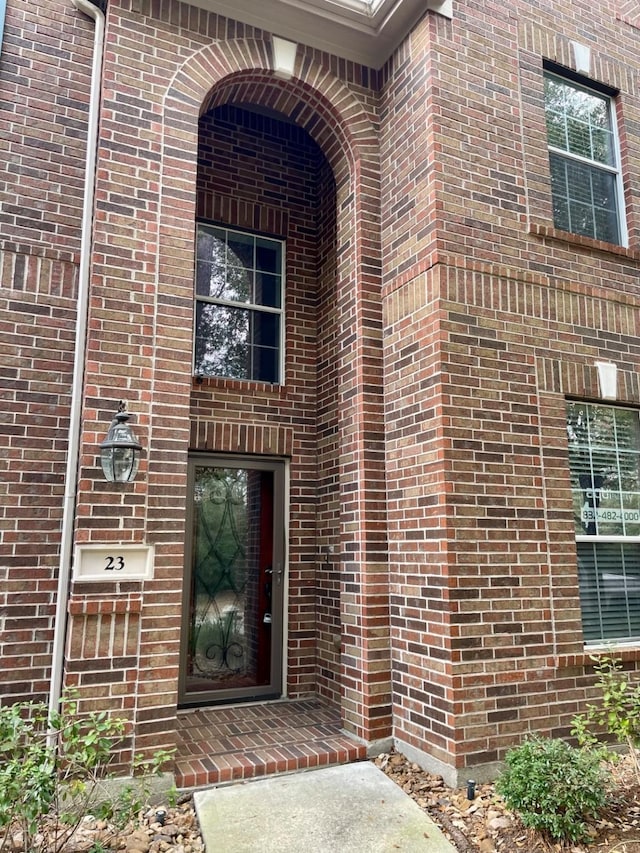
554, 787
617, 712
51, 769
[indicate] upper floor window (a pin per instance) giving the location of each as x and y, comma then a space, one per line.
239, 316
584, 160
604, 461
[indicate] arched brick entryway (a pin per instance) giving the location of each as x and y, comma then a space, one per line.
344, 131
349, 532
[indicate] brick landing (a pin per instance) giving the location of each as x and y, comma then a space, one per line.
241, 742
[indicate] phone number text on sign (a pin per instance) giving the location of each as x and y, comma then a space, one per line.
590, 514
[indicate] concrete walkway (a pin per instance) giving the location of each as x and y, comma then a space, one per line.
352, 808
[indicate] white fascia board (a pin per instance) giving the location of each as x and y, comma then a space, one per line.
364, 31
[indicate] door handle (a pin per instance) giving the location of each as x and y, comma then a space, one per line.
277, 572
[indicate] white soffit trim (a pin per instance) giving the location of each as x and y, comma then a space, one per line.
365, 31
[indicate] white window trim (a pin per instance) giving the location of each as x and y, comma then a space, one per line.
605, 167
595, 539
622, 212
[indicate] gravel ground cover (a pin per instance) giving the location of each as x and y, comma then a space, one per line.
478, 825
483, 825
160, 829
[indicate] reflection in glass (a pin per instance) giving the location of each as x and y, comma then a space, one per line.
578, 121
238, 283
609, 575
228, 645
237, 343
582, 158
604, 463
584, 199
604, 460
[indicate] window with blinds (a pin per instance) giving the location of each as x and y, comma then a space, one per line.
584, 160
604, 461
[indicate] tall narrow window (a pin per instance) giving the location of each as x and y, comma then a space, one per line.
604, 460
238, 305
584, 161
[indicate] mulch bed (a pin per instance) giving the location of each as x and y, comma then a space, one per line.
480, 825
484, 825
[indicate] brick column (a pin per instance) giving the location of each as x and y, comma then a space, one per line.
366, 675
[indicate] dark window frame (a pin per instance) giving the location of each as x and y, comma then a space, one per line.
239, 304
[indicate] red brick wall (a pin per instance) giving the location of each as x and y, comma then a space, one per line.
492, 318
328, 515
259, 173
340, 122
44, 93
429, 356
628, 12
141, 322
44, 99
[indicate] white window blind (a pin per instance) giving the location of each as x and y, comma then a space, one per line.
604, 461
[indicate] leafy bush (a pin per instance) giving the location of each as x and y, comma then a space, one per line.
50, 770
132, 798
554, 787
617, 713
50, 765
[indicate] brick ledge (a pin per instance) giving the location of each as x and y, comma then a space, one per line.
103, 606
585, 658
546, 231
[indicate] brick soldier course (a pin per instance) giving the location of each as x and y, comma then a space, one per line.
436, 323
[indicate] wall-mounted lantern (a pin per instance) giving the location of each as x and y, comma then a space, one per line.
120, 451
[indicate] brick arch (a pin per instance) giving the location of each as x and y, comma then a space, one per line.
240, 71
301, 103
344, 126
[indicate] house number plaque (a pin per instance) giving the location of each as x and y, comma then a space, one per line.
113, 563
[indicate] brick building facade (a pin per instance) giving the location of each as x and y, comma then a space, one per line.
380, 464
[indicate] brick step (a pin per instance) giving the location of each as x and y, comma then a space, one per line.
239, 766
217, 746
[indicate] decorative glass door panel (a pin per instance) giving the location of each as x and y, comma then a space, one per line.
232, 626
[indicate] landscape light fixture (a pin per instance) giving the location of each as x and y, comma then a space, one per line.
120, 451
